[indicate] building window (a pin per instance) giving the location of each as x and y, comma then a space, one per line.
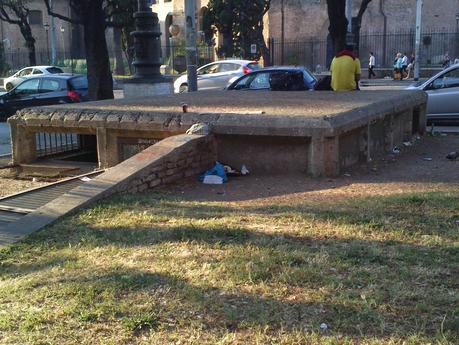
35, 17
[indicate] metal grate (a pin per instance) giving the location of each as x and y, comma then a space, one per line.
52, 143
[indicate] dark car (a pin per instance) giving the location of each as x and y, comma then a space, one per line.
276, 79
44, 90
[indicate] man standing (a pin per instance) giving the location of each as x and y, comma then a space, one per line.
345, 70
371, 65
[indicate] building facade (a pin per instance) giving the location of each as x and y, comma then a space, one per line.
306, 19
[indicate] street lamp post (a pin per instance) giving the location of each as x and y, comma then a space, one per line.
417, 63
174, 30
146, 42
46, 26
191, 51
147, 80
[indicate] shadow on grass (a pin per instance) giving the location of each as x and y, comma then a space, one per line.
410, 287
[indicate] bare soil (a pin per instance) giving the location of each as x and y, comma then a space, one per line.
10, 183
420, 167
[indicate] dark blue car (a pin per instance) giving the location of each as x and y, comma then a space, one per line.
276, 79
44, 90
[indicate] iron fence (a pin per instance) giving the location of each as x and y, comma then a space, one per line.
313, 53
174, 56
171, 55
49, 144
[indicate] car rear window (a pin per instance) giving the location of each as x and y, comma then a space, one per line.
79, 83
54, 70
253, 66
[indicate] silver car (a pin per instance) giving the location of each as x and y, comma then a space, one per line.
217, 75
443, 95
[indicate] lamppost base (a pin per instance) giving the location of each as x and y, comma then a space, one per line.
146, 87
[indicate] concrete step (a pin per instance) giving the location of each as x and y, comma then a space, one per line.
55, 168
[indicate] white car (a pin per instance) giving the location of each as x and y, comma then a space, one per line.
33, 71
217, 75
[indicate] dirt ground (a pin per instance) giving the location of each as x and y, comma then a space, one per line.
420, 167
11, 184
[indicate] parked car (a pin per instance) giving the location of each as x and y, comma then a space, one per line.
216, 75
44, 90
34, 71
443, 96
276, 79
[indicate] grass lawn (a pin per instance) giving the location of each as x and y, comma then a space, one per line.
306, 269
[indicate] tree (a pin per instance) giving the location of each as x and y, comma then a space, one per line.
357, 24
93, 16
240, 23
339, 23
123, 24
16, 12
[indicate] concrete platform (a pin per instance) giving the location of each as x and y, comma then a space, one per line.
318, 133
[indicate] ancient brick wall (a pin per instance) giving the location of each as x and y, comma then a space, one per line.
305, 19
169, 160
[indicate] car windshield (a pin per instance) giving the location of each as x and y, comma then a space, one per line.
79, 83
54, 70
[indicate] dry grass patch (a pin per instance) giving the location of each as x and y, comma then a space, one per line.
162, 270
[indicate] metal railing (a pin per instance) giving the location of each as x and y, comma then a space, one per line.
313, 52
49, 144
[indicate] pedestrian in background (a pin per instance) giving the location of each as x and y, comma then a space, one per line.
398, 67
446, 61
411, 62
404, 65
371, 65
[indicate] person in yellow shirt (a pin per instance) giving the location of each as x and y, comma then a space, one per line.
345, 71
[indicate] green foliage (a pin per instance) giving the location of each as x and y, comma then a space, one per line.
240, 23
141, 322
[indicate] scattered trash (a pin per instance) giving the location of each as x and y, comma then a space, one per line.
216, 175
198, 128
374, 169
323, 326
428, 159
396, 150
452, 155
212, 179
221, 193
230, 171
34, 179
244, 170
184, 107
443, 134
407, 143
456, 222
347, 174
85, 179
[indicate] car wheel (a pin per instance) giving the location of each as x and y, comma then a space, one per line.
183, 88
8, 87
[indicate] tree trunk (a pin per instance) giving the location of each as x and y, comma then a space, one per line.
128, 46
119, 61
356, 25
29, 43
99, 75
227, 48
338, 23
